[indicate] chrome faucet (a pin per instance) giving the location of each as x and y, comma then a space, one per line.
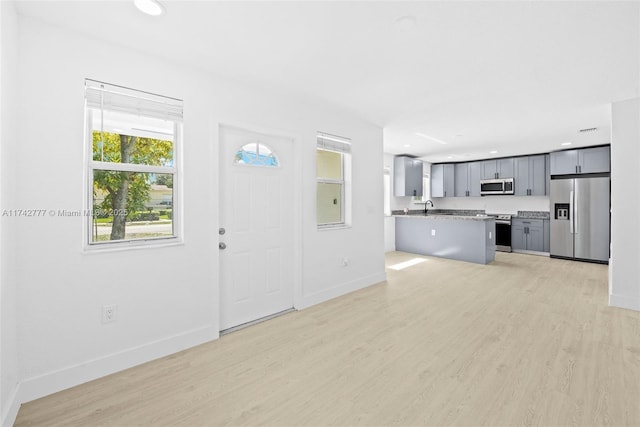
428, 202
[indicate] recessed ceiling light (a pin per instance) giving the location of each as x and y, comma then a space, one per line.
493, 152
150, 7
566, 143
439, 141
450, 157
407, 145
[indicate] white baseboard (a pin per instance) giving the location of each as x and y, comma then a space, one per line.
342, 289
630, 303
522, 251
52, 382
9, 416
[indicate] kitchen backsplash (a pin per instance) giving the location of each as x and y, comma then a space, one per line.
465, 212
494, 204
533, 214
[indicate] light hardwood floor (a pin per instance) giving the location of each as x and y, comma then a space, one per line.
527, 340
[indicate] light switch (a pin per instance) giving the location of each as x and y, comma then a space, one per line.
433, 232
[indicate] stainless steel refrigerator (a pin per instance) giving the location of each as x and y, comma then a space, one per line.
580, 218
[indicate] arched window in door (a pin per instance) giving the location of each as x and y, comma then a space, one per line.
256, 154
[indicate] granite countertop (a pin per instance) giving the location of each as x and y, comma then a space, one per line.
477, 217
532, 215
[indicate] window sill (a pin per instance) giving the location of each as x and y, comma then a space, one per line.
131, 245
333, 227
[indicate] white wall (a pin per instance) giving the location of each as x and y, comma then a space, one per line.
624, 289
167, 297
389, 233
8, 298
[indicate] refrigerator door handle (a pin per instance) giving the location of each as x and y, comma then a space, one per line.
571, 212
576, 217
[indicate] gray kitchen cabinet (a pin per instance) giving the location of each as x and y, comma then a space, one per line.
584, 160
407, 176
498, 168
546, 235
518, 238
443, 180
564, 162
531, 176
467, 179
527, 234
535, 237
547, 168
475, 173
594, 160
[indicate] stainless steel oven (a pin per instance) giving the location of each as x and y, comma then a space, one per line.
503, 232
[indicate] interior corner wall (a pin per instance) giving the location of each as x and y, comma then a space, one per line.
167, 298
624, 287
8, 290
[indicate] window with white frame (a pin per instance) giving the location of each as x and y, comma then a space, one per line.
426, 188
333, 171
132, 141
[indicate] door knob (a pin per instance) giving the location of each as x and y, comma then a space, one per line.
221, 231
222, 246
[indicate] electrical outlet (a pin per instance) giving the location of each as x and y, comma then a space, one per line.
109, 313
345, 262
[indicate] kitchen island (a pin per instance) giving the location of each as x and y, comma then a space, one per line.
460, 237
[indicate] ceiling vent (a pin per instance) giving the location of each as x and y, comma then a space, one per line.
586, 130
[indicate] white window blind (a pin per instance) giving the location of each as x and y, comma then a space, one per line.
104, 96
333, 143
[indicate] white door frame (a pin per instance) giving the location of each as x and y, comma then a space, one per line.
297, 202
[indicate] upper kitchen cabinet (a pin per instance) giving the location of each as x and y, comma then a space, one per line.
442, 180
407, 176
531, 176
498, 168
547, 167
467, 179
594, 160
585, 160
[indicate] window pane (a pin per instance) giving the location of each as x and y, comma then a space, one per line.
131, 205
329, 203
329, 164
256, 154
126, 138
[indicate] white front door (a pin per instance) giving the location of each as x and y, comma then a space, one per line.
256, 213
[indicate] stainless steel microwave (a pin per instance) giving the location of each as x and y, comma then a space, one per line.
496, 186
